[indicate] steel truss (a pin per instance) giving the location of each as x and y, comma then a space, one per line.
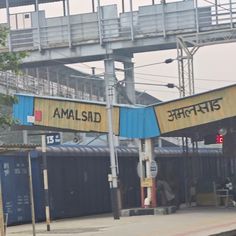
187, 46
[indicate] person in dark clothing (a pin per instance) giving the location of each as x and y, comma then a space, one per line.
229, 185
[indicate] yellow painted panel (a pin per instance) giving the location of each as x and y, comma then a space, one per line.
74, 115
147, 182
196, 110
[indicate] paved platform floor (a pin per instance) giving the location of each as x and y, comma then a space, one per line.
195, 221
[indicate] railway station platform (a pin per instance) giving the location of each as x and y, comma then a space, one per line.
193, 221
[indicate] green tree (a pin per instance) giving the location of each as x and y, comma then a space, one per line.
9, 61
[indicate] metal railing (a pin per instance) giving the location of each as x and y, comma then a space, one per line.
149, 21
11, 83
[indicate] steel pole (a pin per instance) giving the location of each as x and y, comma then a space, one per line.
93, 6
109, 77
31, 193
123, 6
100, 26
69, 24
132, 19
9, 25
45, 182
1, 211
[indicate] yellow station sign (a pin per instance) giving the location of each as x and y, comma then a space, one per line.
196, 110
74, 115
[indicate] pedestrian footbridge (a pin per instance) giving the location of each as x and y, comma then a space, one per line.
91, 36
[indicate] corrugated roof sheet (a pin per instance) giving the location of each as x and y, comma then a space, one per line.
23, 108
138, 123
125, 152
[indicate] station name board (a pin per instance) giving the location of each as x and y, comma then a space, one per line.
86, 116
74, 115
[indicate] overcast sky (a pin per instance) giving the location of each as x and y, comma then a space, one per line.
214, 66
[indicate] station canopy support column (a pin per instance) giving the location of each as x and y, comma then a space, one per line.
110, 94
148, 182
146, 149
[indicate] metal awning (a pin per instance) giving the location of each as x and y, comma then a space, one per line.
16, 3
87, 151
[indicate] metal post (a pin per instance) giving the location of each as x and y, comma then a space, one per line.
68, 23
196, 16
231, 14
64, 7
76, 89
93, 6
216, 11
191, 73
109, 77
100, 23
190, 78
132, 19
38, 25
31, 194
123, 6
180, 69
141, 159
48, 80
45, 182
58, 83
153, 2
2, 230
163, 19
93, 70
67, 87
9, 23
37, 77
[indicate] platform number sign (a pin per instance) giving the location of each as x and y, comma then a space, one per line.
53, 139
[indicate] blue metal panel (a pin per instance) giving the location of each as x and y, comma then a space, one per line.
24, 108
138, 123
38, 188
16, 199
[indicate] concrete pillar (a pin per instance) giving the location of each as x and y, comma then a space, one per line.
129, 81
